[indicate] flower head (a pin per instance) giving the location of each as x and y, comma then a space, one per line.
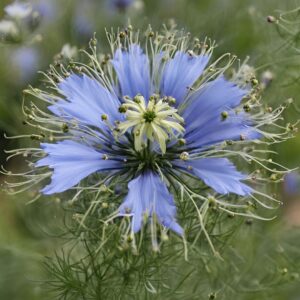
68, 51
18, 10
26, 61
158, 119
21, 19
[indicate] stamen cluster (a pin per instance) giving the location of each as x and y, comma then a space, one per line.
155, 121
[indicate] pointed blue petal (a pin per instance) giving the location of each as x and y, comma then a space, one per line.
71, 162
86, 100
204, 124
180, 73
133, 71
218, 173
235, 127
148, 194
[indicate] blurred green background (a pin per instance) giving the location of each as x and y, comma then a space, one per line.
28, 233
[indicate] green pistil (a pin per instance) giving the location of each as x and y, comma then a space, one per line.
147, 159
149, 116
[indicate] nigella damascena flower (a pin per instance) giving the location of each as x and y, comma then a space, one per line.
160, 119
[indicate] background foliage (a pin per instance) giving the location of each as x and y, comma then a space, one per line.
261, 260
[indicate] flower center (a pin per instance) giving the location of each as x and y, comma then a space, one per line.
155, 120
149, 116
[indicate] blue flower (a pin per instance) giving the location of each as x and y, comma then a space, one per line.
153, 120
84, 19
47, 9
26, 62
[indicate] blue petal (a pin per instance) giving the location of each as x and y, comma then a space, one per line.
235, 127
148, 194
133, 71
86, 100
72, 162
204, 125
218, 173
180, 73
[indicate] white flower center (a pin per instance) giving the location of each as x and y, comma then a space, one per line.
156, 120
